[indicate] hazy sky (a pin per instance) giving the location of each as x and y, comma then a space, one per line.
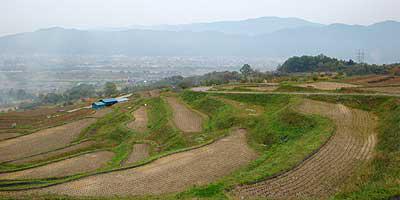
28, 15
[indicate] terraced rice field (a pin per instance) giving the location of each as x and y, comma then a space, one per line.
328, 85
322, 174
201, 89
389, 90
79, 164
52, 154
5, 136
42, 141
263, 88
375, 80
37, 119
184, 118
173, 173
141, 119
101, 112
154, 93
139, 152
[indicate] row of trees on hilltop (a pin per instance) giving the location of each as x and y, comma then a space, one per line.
322, 63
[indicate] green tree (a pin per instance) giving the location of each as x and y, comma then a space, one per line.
246, 70
110, 89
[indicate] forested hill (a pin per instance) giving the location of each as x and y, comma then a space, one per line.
322, 63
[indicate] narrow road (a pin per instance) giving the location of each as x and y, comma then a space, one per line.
304, 93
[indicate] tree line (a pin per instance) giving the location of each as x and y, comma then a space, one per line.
322, 63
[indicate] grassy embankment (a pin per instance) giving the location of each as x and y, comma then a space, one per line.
379, 179
110, 133
282, 136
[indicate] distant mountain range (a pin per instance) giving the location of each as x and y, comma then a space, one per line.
257, 26
267, 37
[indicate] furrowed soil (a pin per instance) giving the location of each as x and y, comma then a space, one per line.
139, 152
389, 90
42, 141
5, 136
37, 119
184, 118
322, 174
172, 173
101, 112
53, 154
375, 80
141, 119
328, 85
79, 164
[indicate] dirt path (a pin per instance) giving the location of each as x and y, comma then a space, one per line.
173, 173
79, 164
139, 152
328, 85
42, 141
322, 174
141, 119
184, 118
307, 93
53, 154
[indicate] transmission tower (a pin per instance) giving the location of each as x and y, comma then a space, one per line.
360, 56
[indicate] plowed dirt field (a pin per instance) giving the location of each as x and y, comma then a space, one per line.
173, 173
184, 118
322, 174
141, 119
79, 164
42, 141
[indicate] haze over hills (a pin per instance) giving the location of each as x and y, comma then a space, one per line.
255, 26
267, 37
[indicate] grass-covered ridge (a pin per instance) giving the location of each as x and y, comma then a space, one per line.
380, 179
282, 136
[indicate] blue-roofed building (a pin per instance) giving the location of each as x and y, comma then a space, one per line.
98, 105
109, 102
123, 99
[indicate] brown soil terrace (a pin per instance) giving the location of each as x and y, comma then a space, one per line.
324, 172
139, 152
141, 119
53, 154
42, 141
79, 164
173, 173
185, 119
328, 85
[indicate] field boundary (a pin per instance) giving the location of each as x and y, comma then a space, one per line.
145, 162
